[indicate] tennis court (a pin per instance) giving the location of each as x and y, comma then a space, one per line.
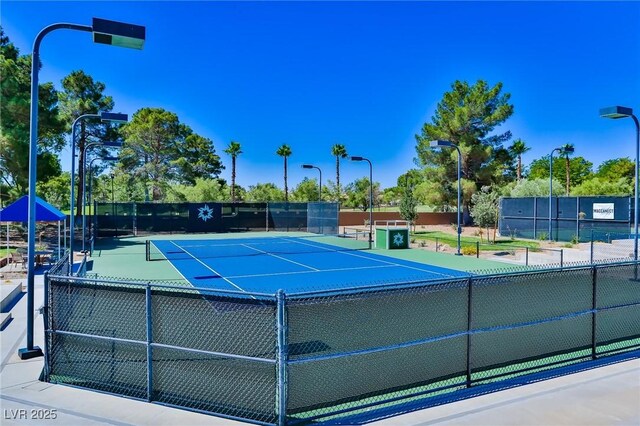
294, 264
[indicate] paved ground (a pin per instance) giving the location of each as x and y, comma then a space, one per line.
608, 395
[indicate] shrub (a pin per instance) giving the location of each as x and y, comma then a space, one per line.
469, 251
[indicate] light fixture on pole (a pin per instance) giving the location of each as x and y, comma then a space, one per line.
616, 112
84, 174
370, 197
449, 144
310, 166
562, 150
92, 209
105, 32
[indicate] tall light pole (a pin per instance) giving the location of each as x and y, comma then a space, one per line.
104, 32
449, 144
122, 119
564, 150
310, 166
617, 112
113, 207
90, 193
370, 197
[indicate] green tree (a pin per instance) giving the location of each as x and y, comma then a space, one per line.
517, 148
306, 190
614, 169
467, 115
485, 210
412, 178
159, 151
82, 95
284, 151
579, 170
56, 191
565, 151
357, 194
536, 188
204, 190
600, 186
234, 149
409, 206
264, 193
196, 158
391, 196
339, 151
15, 95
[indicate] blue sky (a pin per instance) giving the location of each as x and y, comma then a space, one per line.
365, 74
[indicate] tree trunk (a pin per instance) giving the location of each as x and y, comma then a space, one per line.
519, 167
233, 179
286, 189
568, 173
338, 176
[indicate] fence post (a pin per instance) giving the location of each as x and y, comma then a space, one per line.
149, 340
282, 358
477, 249
535, 217
594, 307
561, 257
526, 256
47, 332
266, 217
591, 249
436, 244
469, 326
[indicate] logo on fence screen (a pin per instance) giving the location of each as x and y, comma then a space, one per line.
603, 211
205, 213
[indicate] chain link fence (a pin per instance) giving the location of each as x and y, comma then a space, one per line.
327, 355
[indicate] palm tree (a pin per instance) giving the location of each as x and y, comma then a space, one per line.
233, 150
518, 148
567, 150
285, 151
339, 151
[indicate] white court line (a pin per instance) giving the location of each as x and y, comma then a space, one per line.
311, 272
375, 260
282, 258
209, 268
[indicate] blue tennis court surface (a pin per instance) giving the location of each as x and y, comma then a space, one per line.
294, 264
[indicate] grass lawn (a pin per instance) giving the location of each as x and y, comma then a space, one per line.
500, 244
4, 252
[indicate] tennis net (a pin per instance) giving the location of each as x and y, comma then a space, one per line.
239, 247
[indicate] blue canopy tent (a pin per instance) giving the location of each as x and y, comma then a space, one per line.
45, 212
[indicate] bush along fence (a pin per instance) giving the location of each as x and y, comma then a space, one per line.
324, 355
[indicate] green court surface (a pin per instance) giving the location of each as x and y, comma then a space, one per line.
124, 258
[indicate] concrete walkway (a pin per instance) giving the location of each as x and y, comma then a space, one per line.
607, 395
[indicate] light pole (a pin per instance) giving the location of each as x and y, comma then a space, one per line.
616, 112
565, 150
91, 207
370, 197
113, 206
449, 144
104, 32
310, 166
106, 117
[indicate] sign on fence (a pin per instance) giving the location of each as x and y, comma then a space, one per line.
603, 211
